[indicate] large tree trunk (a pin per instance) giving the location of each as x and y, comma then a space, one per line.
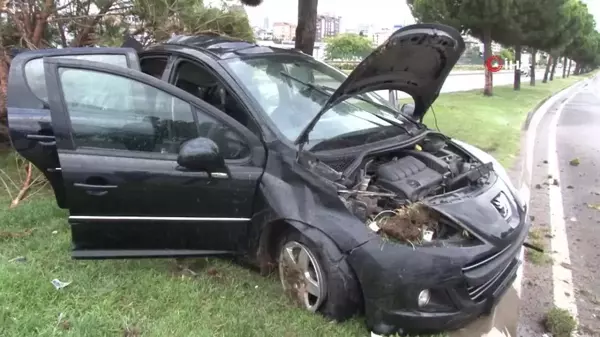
576, 71
488, 89
517, 82
554, 63
306, 30
548, 66
564, 67
569, 71
532, 68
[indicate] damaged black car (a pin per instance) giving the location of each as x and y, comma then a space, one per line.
210, 146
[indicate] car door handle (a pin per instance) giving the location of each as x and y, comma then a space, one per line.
43, 140
95, 190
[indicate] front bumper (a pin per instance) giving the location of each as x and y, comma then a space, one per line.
470, 288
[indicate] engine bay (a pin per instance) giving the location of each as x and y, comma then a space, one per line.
385, 191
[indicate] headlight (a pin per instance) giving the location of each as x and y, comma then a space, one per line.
424, 297
485, 158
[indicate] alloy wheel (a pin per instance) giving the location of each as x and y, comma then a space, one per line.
301, 275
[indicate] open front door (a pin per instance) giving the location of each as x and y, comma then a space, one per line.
118, 134
29, 121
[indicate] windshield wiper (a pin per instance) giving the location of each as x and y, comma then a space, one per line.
325, 91
320, 88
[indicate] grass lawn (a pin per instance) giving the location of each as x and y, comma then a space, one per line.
492, 123
206, 297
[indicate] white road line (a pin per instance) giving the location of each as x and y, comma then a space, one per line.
562, 279
525, 189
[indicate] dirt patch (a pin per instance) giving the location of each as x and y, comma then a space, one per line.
409, 222
131, 331
16, 235
295, 284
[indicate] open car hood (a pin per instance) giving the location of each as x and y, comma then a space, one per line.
415, 59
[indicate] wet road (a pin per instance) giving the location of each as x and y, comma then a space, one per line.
565, 204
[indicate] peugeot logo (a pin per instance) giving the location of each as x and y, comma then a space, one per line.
502, 205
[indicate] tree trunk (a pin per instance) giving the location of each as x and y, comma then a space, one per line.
488, 89
517, 82
576, 71
306, 30
564, 67
554, 63
569, 71
548, 66
4, 65
532, 68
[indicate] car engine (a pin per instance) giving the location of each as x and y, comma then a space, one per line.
386, 191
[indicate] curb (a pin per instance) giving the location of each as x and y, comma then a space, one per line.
525, 173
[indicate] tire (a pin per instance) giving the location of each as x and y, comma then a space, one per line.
341, 296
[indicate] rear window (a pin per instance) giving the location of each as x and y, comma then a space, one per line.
34, 70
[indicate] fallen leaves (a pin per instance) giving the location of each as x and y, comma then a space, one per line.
574, 162
594, 206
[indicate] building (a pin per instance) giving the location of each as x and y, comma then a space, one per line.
378, 37
284, 31
327, 25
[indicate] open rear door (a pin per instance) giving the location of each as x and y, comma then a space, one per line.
29, 118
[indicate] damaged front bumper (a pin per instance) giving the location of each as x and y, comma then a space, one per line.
461, 288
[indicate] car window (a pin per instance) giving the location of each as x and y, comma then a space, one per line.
34, 70
114, 112
153, 65
265, 89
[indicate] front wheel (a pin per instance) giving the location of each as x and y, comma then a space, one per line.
310, 277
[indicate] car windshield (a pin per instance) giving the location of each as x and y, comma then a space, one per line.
292, 90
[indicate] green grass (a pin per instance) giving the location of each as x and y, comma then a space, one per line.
161, 298
559, 322
537, 238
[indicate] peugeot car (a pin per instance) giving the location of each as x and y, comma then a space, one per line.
212, 146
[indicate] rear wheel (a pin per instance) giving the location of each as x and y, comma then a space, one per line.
310, 277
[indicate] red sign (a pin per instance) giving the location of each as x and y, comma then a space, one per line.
494, 63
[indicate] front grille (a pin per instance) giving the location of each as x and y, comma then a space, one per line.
485, 260
477, 292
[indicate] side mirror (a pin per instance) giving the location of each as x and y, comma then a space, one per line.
201, 154
408, 109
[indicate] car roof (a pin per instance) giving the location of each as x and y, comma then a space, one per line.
222, 47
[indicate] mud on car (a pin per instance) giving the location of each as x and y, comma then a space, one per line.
210, 146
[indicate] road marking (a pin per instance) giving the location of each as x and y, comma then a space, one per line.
562, 278
525, 190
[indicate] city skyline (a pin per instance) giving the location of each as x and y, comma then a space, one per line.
381, 13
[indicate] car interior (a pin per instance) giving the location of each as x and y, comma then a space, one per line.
203, 84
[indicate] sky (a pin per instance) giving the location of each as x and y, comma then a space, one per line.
594, 9
383, 13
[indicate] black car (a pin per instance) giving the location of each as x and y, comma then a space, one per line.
210, 146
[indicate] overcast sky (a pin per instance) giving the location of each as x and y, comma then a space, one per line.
383, 13
353, 12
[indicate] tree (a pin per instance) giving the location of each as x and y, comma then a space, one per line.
347, 47
565, 27
306, 30
481, 18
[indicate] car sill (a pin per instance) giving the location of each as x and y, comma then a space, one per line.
153, 218
145, 253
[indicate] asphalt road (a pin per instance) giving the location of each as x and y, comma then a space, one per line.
566, 214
